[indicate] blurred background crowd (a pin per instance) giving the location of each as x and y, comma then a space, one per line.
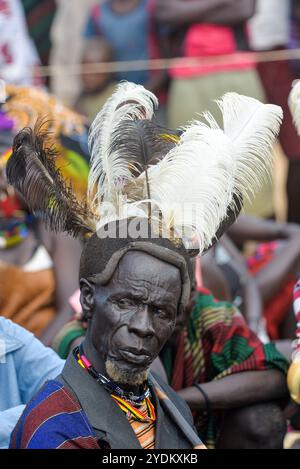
189, 54
54, 44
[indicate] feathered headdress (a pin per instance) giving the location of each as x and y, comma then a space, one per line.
190, 183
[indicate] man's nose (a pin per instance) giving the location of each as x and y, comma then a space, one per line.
141, 322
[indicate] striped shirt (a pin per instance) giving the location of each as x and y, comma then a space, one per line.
53, 420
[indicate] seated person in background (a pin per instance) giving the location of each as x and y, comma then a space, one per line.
240, 378
260, 284
25, 364
97, 87
42, 264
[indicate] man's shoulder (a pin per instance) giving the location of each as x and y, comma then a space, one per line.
13, 335
52, 419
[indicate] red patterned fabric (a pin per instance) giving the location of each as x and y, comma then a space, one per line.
277, 308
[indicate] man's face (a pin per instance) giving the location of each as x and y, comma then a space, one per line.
134, 315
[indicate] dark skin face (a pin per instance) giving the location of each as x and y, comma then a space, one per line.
131, 317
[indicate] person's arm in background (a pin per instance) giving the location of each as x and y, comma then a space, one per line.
226, 12
237, 390
65, 253
252, 302
248, 228
285, 262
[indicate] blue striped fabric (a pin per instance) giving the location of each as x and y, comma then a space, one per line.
53, 419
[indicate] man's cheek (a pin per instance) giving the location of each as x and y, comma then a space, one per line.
165, 332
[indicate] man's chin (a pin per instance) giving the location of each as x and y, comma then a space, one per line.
132, 377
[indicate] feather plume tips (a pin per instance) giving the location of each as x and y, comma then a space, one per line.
200, 176
252, 128
191, 183
294, 104
109, 169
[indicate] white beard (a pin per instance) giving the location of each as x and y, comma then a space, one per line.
125, 377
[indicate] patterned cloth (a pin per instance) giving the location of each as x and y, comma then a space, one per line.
276, 309
24, 107
144, 430
56, 409
296, 305
216, 343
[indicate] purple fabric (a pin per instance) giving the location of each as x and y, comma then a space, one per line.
5, 122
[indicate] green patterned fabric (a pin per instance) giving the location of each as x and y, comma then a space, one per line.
216, 343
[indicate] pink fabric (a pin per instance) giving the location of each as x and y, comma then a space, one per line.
209, 40
198, 274
74, 301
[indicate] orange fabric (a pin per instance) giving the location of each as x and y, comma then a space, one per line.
144, 431
27, 298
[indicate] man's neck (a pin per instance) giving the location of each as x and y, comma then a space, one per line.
93, 356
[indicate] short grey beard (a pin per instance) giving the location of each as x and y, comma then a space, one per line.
125, 377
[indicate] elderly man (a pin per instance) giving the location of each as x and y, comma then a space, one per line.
130, 317
154, 199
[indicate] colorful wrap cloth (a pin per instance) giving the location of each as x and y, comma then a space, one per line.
216, 343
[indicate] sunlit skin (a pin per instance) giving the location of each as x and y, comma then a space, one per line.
131, 317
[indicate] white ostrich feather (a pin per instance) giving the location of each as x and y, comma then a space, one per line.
107, 169
252, 127
198, 180
193, 186
294, 104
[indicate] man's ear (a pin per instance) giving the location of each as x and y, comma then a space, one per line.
87, 298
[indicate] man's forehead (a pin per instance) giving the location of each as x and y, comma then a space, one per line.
145, 267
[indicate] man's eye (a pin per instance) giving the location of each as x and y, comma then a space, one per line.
159, 312
124, 302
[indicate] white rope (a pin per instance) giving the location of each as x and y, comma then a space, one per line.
165, 64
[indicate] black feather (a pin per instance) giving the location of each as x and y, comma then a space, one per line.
31, 170
142, 143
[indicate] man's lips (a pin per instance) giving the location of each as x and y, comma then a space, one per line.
135, 355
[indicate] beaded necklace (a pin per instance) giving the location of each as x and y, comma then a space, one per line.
127, 401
